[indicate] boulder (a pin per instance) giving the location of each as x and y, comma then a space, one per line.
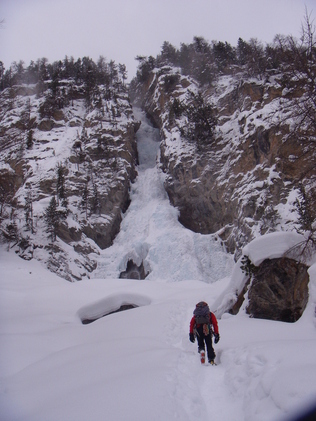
279, 290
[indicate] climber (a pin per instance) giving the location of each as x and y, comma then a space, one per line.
202, 326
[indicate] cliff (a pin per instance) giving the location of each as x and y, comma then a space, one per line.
243, 179
237, 147
79, 151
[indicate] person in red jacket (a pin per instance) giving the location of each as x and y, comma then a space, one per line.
202, 326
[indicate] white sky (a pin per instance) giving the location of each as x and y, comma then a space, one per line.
122, 29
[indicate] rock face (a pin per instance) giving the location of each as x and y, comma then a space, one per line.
94, 145
279, 290
238, 184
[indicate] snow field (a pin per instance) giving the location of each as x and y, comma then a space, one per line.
49, 365
139, 363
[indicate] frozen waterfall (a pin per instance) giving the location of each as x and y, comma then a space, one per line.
151, 239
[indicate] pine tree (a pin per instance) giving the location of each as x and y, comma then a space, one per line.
95, 201
114, 115
1, 74
85, 200
123, 73
28, 211
305, 206
84, 136
113, 72
52, 218
306, 211
10, 233
26, 115
29, 140
201, 119
243, 51
61, 192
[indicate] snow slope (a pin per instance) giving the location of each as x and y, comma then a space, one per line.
139, 364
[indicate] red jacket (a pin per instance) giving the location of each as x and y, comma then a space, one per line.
213, 321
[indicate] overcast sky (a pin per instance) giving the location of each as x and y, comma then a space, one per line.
121, 29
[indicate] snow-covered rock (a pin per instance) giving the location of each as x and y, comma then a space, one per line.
243, 182
94, 146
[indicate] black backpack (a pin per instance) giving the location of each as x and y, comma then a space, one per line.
202, 313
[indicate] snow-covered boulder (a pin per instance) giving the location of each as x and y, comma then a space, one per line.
268, 284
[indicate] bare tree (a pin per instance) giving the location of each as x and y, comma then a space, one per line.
308, 34
304, 73
299, 70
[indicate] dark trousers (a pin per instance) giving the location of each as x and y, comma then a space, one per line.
203, 339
